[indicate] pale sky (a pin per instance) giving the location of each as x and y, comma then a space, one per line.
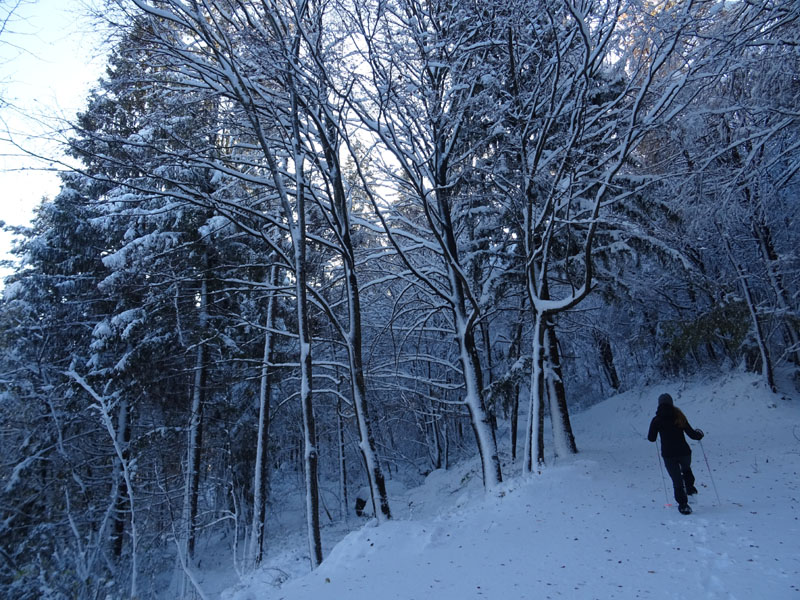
49, 60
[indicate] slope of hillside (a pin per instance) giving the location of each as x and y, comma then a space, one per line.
597, 525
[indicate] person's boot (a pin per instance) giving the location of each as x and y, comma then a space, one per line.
691, 490
685, 509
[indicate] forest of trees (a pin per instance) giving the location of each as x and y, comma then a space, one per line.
346, 240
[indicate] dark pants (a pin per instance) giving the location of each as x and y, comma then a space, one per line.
680, 471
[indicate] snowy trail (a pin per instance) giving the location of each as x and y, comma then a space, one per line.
744, 547
594, 525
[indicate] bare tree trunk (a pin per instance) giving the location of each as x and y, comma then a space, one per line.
377, 483
559, 411
514, 421
261, 474
487, 348
195, 433
514, 354
766, 360
121, 504
465, 335
607, 360
770, 256
432, 423
438, 462
342, 462
534, 442
310, 450
330, 139
479, 417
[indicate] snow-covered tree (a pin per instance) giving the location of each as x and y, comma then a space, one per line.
419, 98
59, 499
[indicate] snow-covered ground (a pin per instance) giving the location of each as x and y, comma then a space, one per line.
597, 525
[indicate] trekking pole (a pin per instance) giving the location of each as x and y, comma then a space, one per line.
664, 481
710, 476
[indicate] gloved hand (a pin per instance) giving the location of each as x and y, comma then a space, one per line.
700, 432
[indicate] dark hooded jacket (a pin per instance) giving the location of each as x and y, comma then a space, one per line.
671, 424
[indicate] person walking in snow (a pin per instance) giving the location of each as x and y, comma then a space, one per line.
670, 423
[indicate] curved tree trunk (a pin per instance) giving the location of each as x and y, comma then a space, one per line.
377, 483
465, 335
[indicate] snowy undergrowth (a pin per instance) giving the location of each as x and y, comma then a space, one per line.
597, 525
